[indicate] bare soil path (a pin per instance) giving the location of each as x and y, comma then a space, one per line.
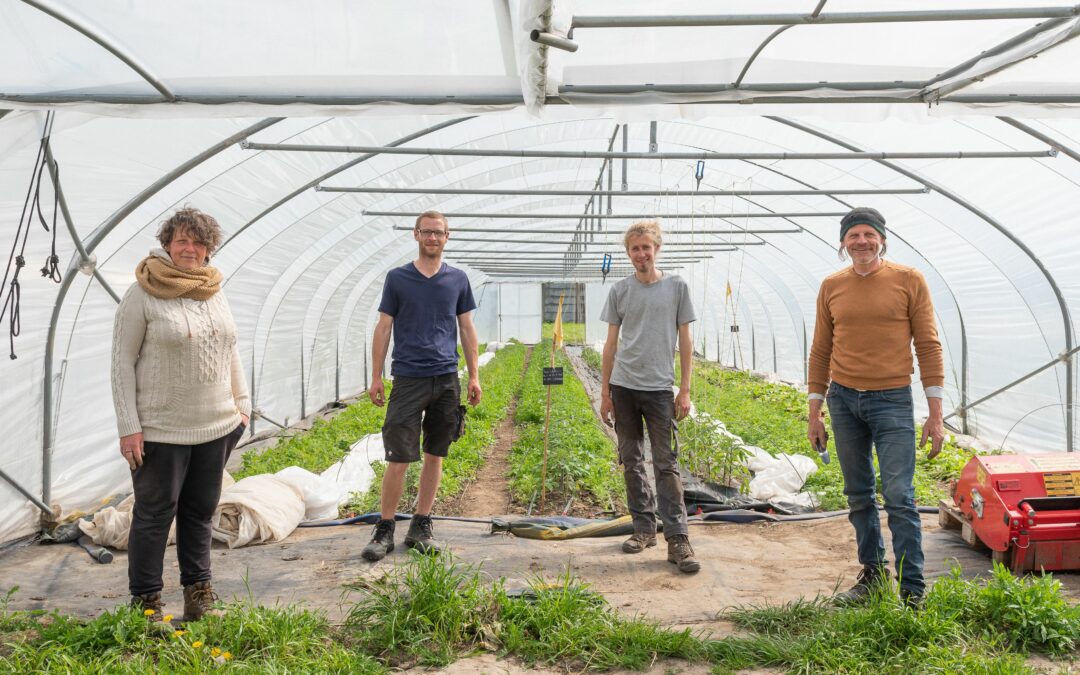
489, 494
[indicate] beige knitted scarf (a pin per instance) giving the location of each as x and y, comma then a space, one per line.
163, 280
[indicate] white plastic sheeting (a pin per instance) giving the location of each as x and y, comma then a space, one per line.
304, 268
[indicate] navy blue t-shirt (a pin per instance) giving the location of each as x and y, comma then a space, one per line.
425, 315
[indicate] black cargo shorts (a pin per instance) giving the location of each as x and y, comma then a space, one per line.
427, 403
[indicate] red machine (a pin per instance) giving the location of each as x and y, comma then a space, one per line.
1025, 508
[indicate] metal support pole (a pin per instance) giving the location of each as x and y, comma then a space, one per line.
662, 156
553, 40
625, 184
303, 380
26, 493
365, 359
614, 216
337, 369
545, 240
653, 147
251, 422
669, 21
609, 192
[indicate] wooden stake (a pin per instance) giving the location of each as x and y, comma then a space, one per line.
547, 429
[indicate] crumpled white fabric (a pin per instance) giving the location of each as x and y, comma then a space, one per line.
259, 509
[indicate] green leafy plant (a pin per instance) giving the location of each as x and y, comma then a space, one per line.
711, 455
581, 460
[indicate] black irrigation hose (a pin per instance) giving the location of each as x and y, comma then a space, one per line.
374, 517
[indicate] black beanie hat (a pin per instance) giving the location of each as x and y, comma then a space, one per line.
862, 215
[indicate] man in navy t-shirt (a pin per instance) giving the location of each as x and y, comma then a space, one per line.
425, 303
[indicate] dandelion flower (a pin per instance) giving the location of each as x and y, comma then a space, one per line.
148, 612
215, 652
226, 655
197, 644
178, 633
167, 618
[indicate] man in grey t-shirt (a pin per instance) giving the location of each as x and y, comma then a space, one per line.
650, 309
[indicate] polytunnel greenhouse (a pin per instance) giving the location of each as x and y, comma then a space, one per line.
315, 133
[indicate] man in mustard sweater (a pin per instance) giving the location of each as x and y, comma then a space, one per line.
868, 316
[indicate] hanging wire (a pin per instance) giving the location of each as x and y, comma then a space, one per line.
32, 202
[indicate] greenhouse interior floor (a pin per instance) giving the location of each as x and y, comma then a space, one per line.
742, 564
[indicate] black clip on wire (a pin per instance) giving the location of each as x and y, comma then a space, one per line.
605, 267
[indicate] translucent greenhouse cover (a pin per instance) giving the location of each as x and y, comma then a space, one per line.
149, 103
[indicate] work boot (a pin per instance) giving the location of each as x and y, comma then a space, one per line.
382, 542
638, 542
420, 537
199, 599
913, 600
149, 601
870, 576
681, 553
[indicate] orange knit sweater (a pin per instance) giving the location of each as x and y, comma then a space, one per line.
865, 328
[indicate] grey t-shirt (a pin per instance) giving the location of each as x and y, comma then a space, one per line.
649, 316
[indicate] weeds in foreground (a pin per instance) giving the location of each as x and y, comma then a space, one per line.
435, 610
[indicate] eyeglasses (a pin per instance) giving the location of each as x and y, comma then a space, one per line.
439, 234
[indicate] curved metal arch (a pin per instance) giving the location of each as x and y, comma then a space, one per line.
90, 244
989, 220
107, 44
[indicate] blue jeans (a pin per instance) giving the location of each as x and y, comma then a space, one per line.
884, 420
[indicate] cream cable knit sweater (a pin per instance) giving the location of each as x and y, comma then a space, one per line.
176, 372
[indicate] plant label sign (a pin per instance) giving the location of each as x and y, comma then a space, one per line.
553, 375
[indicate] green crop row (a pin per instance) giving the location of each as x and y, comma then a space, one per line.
774, 417
581, 458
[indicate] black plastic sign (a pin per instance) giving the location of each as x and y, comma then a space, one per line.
553, 375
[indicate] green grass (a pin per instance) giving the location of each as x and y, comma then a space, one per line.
435, 610
245, 639
573, 333
500, 381
774, 417
322, 446
582, 462
964, 626
593, 359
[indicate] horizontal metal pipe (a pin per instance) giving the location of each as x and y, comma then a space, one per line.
609, 245
667, 233
268, 99
716, 87
1011, 98
617, 216
616, 193
551, 256
553, 40
668, 21
603, 154
502, 251
606, 233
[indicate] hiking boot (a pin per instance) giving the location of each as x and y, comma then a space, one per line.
681, 553
870, 576
420, 537
382, 542
638, 542
199, 599
149, 601
913, 600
